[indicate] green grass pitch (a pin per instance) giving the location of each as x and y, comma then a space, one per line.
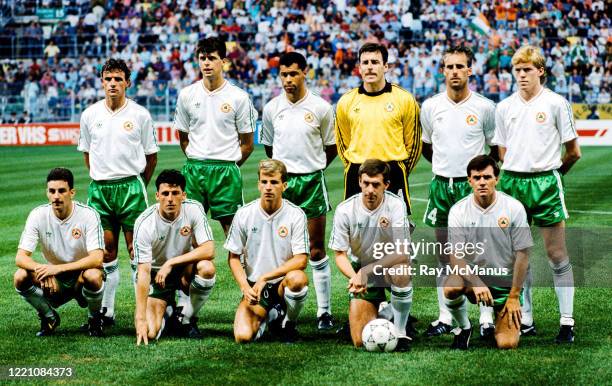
317, 358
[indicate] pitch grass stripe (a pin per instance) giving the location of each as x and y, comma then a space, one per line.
592, 212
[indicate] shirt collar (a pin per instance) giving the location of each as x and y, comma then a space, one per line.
385, 89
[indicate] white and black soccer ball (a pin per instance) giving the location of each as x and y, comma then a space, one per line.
379, 335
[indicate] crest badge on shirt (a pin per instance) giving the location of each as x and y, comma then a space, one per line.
76, 233
503, 222
471, 120
389, 107
185, 231
540, 117
128, 126
283, 231
226, 108
383, 222
309, 117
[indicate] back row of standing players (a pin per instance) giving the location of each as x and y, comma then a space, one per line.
378, 120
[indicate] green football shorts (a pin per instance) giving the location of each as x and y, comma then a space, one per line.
269, 296
500, 296
443, 194
540, 193
118, 202
216, 184
308, 191
374, 295
68, 289
173, 283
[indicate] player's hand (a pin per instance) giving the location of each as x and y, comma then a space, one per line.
250, 295
162, 274
357, 285
142, 332
258, 287
49, 285
43, 271
483, 295
513, 308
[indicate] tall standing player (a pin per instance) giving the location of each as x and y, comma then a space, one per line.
272, 234
70, 236
298, 129
118, 142
532, 126
216, 121
456, 124
378, 120
174, 249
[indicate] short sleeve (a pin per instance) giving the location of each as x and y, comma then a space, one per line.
520, 231
149, 138
426, 123
246, 116
457, 233
299, 235
236, 237
29, 236
488, 124
84, 134
328, 133
94, 238
339, 239
565, 122
266, 136
201, 228
181, 114
499, 138
143, 245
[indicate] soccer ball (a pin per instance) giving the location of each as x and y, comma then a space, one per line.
379, 335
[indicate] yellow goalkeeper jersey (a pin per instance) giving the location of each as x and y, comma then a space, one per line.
383, 125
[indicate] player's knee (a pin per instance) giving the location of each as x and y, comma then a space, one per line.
453, 292
243, 335
21, 278
152, 333
317, 253
506, 342
93, 278
110, 254
296, 280
205, 269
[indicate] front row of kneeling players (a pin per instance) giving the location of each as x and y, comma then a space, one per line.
268, 252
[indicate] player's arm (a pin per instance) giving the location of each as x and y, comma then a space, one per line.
204, 251
356, 283
240, 276
269, 150
143, 282
86, 156
246, 146
513, 304
24, 260
183, 141
328, 135
494, 152
571, 156
92, 260
331, 151
501, 153
427, 151
412, 133
343, 131
149, 167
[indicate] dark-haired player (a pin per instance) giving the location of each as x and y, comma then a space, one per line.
120, 148
174, 249
70, 236
216, 122
298, 129
456, 124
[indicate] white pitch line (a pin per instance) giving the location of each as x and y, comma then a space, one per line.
591, 212
418, 184
418, 199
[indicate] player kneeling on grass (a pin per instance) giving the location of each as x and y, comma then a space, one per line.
174, 249
373, 217
272, 235
72, 243
493, 226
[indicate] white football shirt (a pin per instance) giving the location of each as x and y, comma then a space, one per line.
117, 142
63, 241
157, 240
268, 241
356, 229
299, 131
457, 131
533, 132
502, 228
214, 120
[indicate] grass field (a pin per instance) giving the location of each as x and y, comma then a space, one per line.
318, 358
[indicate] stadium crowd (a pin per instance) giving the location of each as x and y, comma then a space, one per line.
50, 70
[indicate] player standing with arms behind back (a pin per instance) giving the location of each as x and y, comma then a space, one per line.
456, 125
531, 127
118, 142
298, 129
216, 121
